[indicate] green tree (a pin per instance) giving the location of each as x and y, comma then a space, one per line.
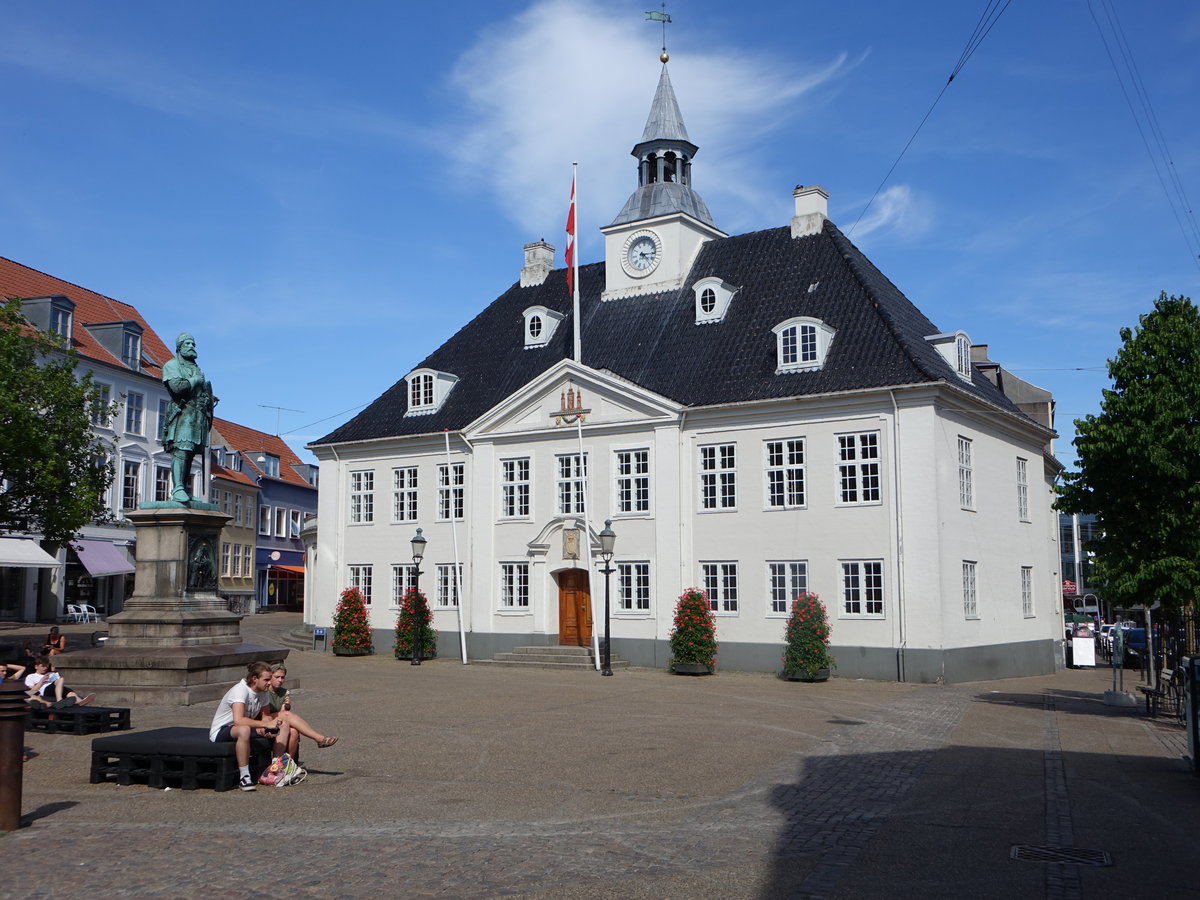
54, 470
1139, 462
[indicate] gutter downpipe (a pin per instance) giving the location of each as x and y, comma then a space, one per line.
899, 518
339, 535
462, 632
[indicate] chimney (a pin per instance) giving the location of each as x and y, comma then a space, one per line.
812, 209
539, 260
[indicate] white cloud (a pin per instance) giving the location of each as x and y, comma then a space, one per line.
898, 212
569, 81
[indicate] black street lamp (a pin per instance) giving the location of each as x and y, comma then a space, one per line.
418, 553
608, 540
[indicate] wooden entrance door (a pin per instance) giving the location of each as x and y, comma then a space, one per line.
574, 608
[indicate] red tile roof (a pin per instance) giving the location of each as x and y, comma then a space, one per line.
91, 308
249, 442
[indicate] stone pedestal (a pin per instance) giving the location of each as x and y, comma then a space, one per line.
175, 642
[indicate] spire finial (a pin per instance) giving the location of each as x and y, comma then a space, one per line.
665, 18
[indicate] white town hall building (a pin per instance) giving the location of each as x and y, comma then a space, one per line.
756, 414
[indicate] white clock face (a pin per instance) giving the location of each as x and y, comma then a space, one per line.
642, 254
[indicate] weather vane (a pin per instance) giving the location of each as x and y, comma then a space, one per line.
665, 18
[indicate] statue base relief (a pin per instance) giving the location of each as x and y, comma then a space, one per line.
175, 642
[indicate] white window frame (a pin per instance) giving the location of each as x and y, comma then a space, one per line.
281, 522
131, 350
515, 487
631, 484
225, 568
452, 491
100, 414
247, 560
722, 296
404, 494
1023, 489
633, 588
60, 321
717, 464
162, 483
570, 483
447, 586
428, 390
540, 325
720, 579
514, 586
295, 522
786, 578
1027, 607
362, 497
863, 590
420, 391
962, 356
237, 509
131, 488
859, 471
404, 576
970, 589
135, 412
264, 520
801, 344
966, 473
784, 473
361, 576
235, 567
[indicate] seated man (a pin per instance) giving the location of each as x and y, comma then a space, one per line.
281, 709
11, 671
238, 718
43, 682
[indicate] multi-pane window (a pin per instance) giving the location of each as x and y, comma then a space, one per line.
135, 404
404, 576
131, 484
225, 557
784, 471
798, 345
227, 502
264, 520
362, 498
100, 408
966, 475
970, 598
295, 517
235, 568
862, 587
1027, 590
162, 483
360, 577
237, 509
1022, 489
514, 585
962, 353
721, 585
247, 560
787, 579
420, 391
633, 481
448, 581
514, 487
858, 467
451, 479
571, 483
404, 494
60, 322
131, 350
718, 476
633, 587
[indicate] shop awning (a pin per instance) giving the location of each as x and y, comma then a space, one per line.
25, 554
298, 569
101, 558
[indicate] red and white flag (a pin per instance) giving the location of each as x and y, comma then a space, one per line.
570, 253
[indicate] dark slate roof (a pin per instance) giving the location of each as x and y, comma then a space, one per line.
653, 341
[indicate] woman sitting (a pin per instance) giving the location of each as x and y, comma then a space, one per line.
55, 643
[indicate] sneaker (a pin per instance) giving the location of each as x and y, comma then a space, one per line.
291, 774
88, 699
247, 784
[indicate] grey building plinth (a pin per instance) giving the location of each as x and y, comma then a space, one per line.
175, 643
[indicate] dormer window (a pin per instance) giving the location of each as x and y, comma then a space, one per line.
60, 321
801, 344
427, 390
131, 350
713, 296
955, 349
540, 325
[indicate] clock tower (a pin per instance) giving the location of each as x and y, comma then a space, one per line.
650, 245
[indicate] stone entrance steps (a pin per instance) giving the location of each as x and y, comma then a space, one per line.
544, 657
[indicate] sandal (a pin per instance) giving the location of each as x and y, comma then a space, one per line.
326, 742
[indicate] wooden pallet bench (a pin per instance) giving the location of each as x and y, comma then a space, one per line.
173, 757
77, 719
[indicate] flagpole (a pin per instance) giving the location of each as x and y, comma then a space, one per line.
575, 261
462, 631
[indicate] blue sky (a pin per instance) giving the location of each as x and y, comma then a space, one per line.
323, 193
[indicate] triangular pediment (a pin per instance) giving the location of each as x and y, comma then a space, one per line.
568, 393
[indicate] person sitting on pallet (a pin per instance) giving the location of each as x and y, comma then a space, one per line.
281, 708
43, 682
238, 718
11, 671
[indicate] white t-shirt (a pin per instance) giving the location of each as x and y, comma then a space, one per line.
239, 693
34, 678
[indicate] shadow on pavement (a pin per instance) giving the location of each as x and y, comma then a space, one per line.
46, 810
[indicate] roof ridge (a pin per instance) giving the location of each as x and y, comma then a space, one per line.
103, 297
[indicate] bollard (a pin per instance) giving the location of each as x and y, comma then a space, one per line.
12, 746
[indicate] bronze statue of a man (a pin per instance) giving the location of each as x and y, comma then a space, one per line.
189, 414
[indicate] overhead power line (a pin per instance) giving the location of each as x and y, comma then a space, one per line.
987, 20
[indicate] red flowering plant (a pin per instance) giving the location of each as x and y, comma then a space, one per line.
807, 637
415, 618
694, 637
351, 628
